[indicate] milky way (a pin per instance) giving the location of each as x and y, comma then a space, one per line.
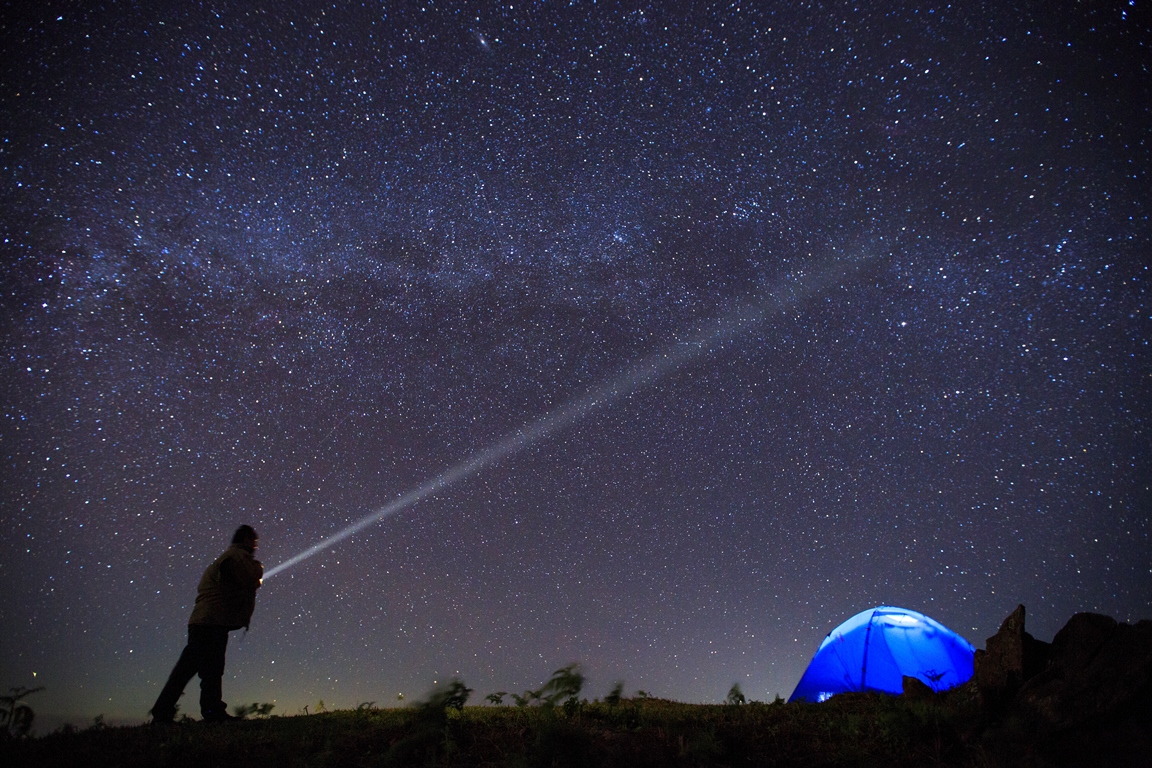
282, 264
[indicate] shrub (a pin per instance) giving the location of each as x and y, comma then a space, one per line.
15, 717
253, 710
564, 685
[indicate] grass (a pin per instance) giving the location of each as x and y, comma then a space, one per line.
848, 730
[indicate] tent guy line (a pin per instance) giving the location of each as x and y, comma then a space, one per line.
633, 378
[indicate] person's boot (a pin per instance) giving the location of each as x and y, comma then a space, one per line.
162, 717
219, 715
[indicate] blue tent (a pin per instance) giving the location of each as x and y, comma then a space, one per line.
875, 649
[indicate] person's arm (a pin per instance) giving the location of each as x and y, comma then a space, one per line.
244, 573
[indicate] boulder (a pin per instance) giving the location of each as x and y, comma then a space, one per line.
1098, 670
916, 689
1080, 640
1012, 657
1086, 699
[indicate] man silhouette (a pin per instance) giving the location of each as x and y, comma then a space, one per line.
225, 600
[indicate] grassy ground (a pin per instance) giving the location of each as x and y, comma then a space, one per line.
849, 730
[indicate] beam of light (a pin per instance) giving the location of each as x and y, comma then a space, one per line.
633, 378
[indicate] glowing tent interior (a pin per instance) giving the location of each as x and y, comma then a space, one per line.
876, 648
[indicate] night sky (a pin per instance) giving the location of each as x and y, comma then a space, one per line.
283, 263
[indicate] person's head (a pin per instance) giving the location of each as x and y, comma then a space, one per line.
246, 537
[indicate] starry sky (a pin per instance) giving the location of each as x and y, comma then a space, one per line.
284, 263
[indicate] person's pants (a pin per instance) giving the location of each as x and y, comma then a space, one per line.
204, 656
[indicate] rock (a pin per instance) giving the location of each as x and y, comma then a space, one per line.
1012, 657
916, 689
1086, 699
1098, 670
1073, 649
1080, 640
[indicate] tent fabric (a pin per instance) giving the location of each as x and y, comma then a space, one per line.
875, 649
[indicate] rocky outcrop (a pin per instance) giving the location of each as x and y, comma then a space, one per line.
1012, 658
1096, 669
1084, 699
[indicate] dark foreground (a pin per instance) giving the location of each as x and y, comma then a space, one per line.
1085, 699
848, 730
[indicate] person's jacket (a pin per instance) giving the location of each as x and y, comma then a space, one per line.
226, 596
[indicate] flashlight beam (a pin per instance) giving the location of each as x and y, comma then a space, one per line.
629, 380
